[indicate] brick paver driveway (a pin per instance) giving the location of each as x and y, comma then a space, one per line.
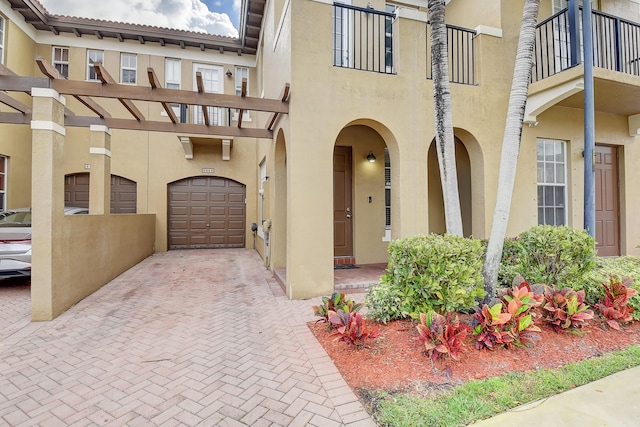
184, 338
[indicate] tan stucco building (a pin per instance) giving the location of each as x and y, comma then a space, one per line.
299, 185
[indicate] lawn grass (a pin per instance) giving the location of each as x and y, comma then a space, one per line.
480, 399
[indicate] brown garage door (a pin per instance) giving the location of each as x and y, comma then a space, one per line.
124, 195
206, 212
76, 190
123, 192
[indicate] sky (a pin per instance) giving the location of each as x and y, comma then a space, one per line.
220, 17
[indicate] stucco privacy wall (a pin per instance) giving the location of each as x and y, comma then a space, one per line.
89, 251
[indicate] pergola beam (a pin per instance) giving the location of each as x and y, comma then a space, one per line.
182, 128
106, 78
200, 86
243, 93
284, 96
141, 93
155, 84
51, 72
107, 88
15, 104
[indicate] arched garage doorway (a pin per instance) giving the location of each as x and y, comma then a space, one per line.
123, 192
206, 212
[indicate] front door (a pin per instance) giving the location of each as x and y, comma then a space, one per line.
607, 207
342, 209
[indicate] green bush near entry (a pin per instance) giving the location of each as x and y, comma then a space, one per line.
435, 272
553, 255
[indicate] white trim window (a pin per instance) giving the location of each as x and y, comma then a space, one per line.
241, 73
128, 68
388, 38
212, 82
60, 60
552, 182
342, 39
387, 196
558, 5
93, 57
387, 189
173, 80
3, 182
2, 39
261, 184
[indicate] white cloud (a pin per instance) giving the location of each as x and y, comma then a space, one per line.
191, 15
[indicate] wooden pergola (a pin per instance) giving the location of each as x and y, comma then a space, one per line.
86, 92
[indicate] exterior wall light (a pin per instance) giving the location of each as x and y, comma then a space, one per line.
229, 73
371, 157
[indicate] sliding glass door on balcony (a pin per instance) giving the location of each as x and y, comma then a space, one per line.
342, 37
363, 37
212, 83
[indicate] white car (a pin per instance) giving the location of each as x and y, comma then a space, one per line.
15, 241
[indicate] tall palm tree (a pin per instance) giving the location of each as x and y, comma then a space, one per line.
511, 145
445, 147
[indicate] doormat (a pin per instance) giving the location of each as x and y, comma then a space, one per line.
344, 266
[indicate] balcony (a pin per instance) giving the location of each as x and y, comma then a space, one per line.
462, 54
365, 39
616, 44
558, 71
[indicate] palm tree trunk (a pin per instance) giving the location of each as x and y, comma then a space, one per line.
445, 147
511, 145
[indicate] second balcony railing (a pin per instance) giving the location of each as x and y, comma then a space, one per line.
362, 38
616, 44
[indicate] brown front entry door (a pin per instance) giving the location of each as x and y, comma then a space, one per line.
607, 207
342, 208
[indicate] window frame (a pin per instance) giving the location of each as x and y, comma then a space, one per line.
90, 62
387, 196
239, 71
175, 82
216, 114
3, 27
542, 184
261, 197
4, 160
128, 67
341, 25
55, 62
558, 5
388, 38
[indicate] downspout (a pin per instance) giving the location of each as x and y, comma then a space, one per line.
589, 124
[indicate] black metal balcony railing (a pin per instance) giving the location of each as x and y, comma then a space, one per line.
616, 44
362, 38
461, 46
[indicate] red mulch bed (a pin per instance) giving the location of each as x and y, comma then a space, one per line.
395, 360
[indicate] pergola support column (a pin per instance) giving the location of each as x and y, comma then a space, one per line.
100, 182
47, 200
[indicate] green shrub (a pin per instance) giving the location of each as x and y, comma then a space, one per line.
511, 253
555, 255
383, 303
432, 272
607, 269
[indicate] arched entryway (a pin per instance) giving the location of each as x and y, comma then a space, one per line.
361, 195
278, 238
206, 212
465, 190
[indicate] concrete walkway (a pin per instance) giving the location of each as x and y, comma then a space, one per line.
189, 338
609, 402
